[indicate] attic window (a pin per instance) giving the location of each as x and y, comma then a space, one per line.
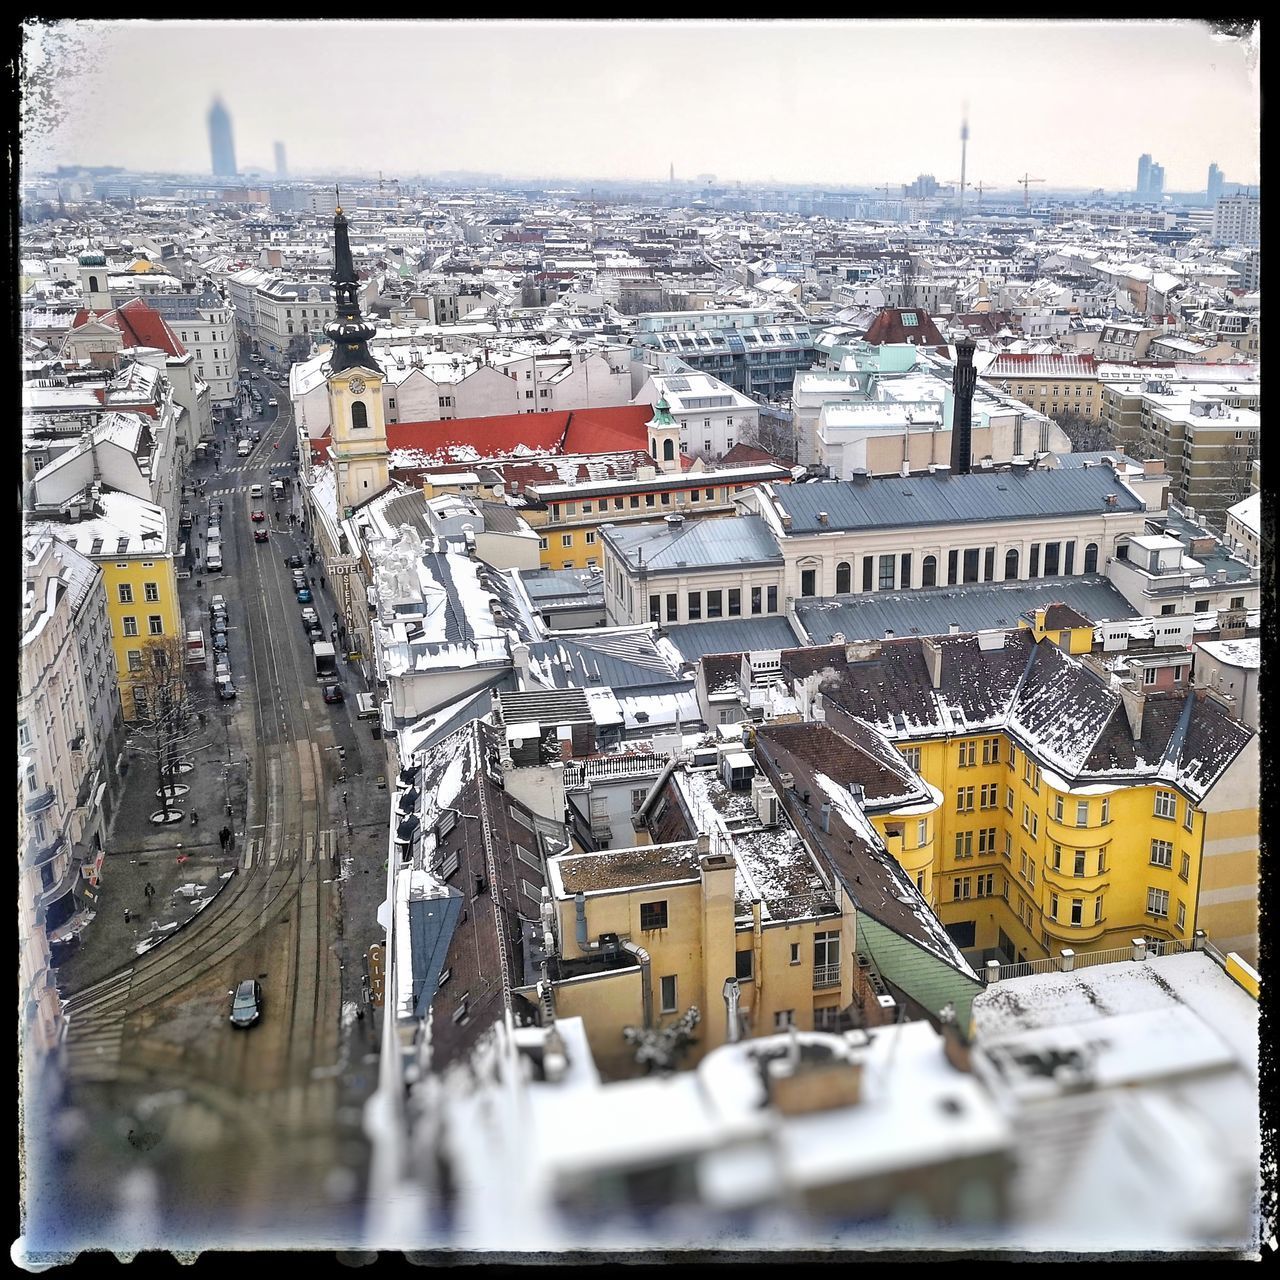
449, 866
910, 320
460, 1013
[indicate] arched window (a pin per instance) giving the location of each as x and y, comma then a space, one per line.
359, 415
1011, 564
93, 284
668, 450
653, 447
1091, 558
844, 578
929, 572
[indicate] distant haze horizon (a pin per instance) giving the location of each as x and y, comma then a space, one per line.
880, 103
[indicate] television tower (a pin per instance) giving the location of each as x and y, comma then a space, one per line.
964, 148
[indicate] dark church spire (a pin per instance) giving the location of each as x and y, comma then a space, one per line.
349, 331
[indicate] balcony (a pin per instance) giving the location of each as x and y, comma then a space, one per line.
1067, 833
38, 854
1066, 883
39, 802
1074, 935
826, 975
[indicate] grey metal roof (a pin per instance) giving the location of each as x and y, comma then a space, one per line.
564, 586
979, 605
898, 502
1095, 458
704, 543
498, 517
554, 706
624, 659
431, 925
734, 635
411, 509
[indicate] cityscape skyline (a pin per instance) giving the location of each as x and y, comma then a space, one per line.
484, 67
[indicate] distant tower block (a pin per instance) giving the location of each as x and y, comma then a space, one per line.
282, 170
221, 143
964, 149
673, 171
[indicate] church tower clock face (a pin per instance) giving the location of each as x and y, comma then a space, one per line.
356, 386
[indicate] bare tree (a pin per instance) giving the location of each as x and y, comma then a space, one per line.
776, 434
167, 716
1086, 434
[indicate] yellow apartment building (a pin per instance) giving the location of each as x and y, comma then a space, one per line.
129, 542
1032, 865
567, 517
679, 920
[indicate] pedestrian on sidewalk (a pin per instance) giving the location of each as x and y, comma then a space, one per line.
223, 836
195, 818
322, 581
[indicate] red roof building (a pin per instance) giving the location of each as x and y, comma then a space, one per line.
617, 429
908, 325
139, 325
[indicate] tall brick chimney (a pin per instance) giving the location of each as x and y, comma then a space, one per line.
963, 384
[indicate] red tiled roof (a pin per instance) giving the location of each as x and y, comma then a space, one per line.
139, 324
743, 454
612, 430
887, 327
607, 430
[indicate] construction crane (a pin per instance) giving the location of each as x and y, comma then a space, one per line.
887, 189
980, 187
1023, 182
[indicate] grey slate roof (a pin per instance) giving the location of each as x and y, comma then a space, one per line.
706, 543
731, 635
1047, 701
898, 502
930, 611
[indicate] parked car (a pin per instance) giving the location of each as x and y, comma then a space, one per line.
299, 579
333, 693
246, 1004
260, 535
310, 615
220, 641
314, 631
226, 690
304, 595
294, 561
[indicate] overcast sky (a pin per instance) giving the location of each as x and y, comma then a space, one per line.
852, 103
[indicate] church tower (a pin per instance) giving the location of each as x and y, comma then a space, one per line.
93, 281
358, 430
664, 437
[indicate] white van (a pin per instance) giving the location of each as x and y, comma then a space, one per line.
244, 448
255, 491
213, 558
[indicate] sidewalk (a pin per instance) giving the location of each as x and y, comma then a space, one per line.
181, 862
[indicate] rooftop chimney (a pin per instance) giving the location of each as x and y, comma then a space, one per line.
963, 382
822, 517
